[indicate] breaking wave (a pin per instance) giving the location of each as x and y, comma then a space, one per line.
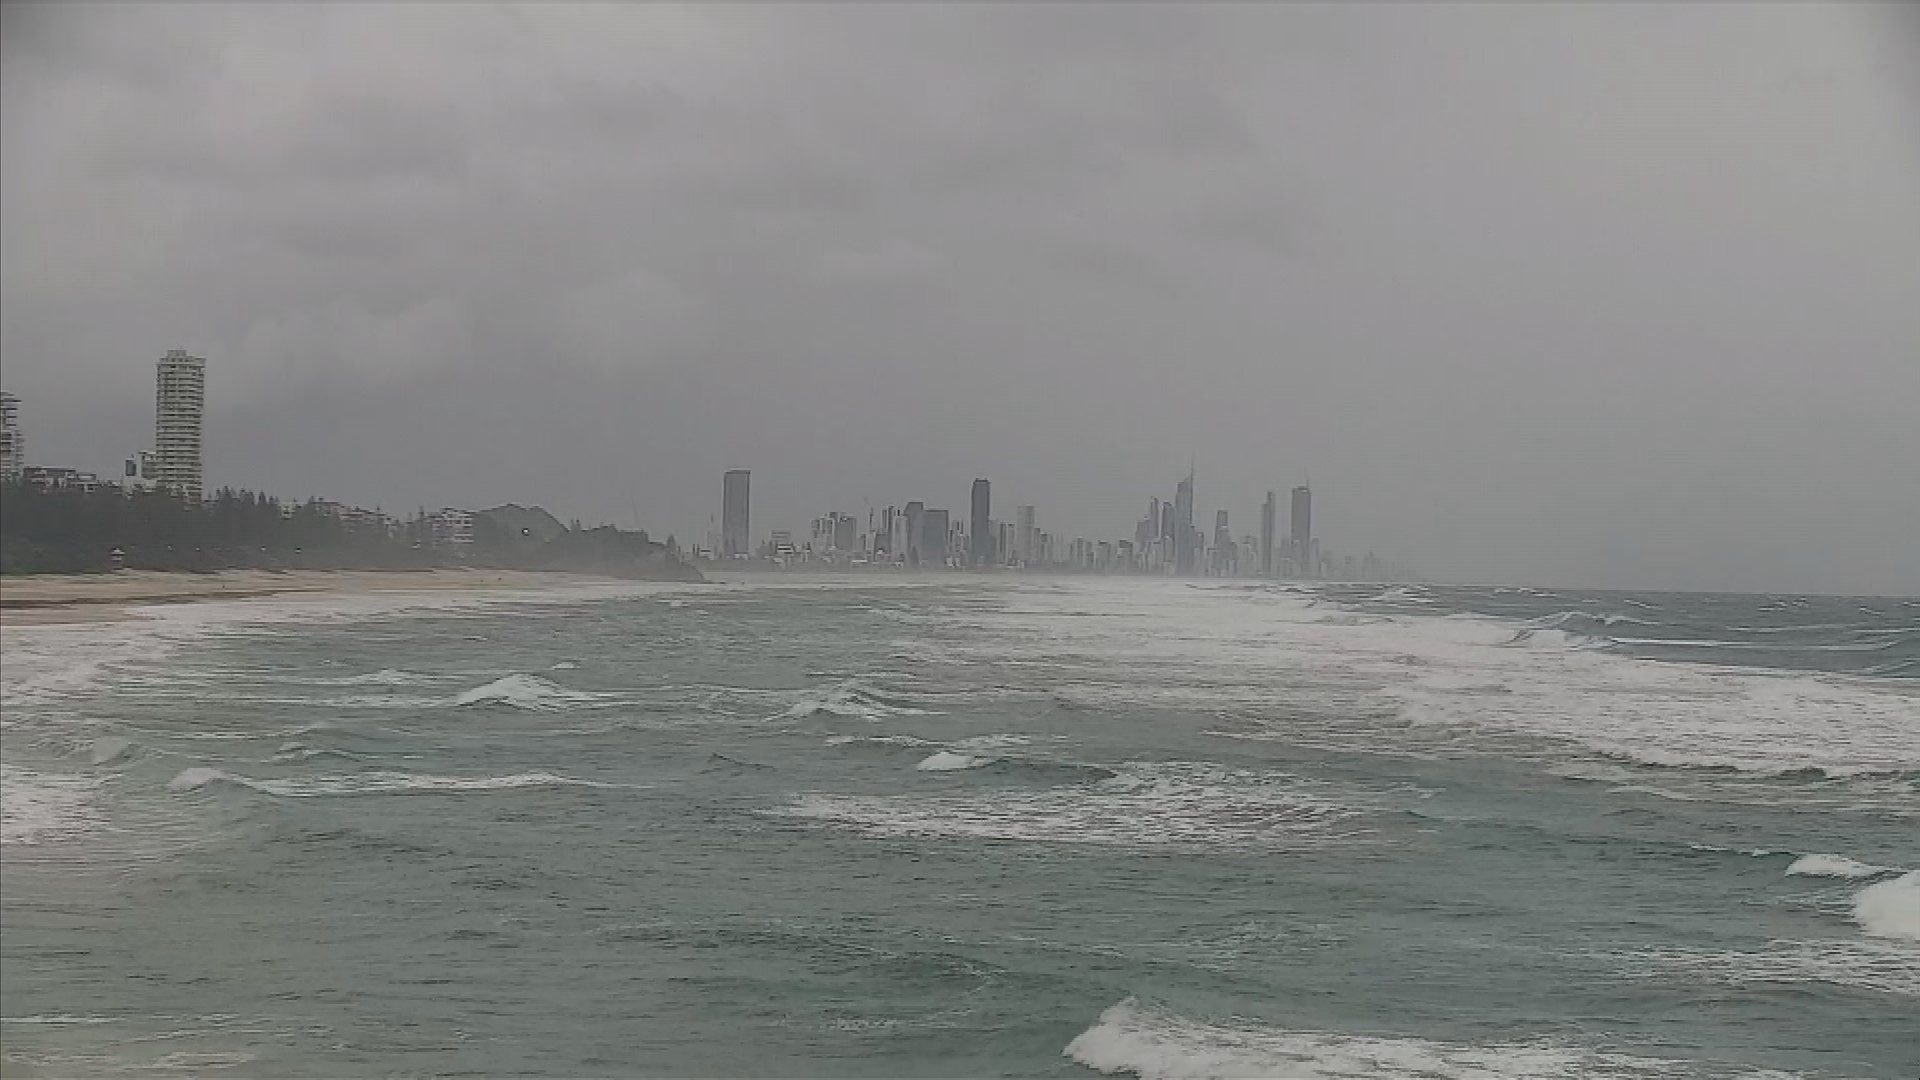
371, 783
1890, 909
526, 692
1155, 1044
1834, 866
948, 761
853, 700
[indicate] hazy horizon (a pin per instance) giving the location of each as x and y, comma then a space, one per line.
1583, 295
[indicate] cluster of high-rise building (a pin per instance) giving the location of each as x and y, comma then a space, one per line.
176, 463
1165, 542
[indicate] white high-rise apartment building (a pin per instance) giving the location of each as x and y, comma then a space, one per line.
180, 399
13, 445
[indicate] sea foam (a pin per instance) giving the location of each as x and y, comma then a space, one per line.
372, 783
1834, 866
1890, 909
948, 761
526, 692
1155, 1044
849, 699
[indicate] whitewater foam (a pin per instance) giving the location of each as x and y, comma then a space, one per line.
1155, 1044
45, 808
850, 699
1162, 806
1890, 909
373, 783
526, 692
948, 761
1834, 866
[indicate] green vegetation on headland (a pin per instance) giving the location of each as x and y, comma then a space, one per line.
77, 532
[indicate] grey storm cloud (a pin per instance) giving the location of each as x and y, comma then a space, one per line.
1586, 294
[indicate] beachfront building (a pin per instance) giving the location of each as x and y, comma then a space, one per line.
13, 444
180, 401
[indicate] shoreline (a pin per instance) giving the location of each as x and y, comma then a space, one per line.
43, 599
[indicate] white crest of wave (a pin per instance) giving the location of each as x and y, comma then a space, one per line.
196, 778
1890, 909
948, 761
1835, 866
525, 692
373, 783
850, 699
1154, 1044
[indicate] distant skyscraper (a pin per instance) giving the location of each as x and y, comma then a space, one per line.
933, 537
1303, 531
980, 526
1183, 535
1222, 544
1267, 512
1025, 535
180, 400
13, 444
916, 520
736, 501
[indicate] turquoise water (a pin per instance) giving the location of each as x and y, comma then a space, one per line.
967, 828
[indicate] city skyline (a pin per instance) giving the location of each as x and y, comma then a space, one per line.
916, 537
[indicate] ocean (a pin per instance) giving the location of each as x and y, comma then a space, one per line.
967, 826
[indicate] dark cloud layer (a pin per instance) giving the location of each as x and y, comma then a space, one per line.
1587, 294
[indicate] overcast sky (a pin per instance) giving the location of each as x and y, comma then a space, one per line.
1596, 294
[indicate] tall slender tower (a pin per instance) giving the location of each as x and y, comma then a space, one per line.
735, 502
180, 400
980, 525
1222, 544
1267, 511
1303, 531
1183, 554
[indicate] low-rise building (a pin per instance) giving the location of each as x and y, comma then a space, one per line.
50, 478
451, 527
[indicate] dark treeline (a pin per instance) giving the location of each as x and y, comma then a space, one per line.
67, 531
78, 532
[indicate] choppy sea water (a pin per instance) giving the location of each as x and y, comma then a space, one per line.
967, 827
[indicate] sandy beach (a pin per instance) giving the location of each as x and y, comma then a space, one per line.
63, 598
